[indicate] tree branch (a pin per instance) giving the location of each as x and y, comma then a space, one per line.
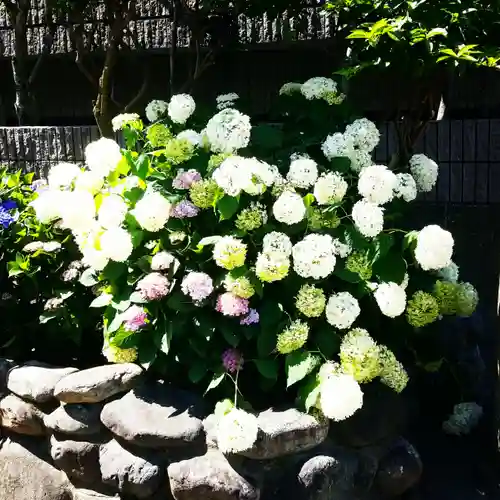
142, 90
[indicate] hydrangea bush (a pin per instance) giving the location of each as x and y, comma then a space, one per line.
40, 302
250, 260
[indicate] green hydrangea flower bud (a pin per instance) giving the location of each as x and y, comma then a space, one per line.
310, 301
293, 337
216, 160
241, 287
422, 309
178, 151
446, 296
392, 372
359, 355
320, 219
360, 264
204, 193
467, 299
252, 217
158, 135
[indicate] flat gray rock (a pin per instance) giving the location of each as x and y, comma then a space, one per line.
78, 459
209, 477
21, 416
97, 384
36, 381
285, 432
75, 419
84, 494
25, 476
155, 416
128, 472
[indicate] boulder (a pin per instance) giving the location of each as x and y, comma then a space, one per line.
84, 494
285, 432
78, 459
339, 474
209, 477
97, 384
36, 381
399, 470
26, 476
21, 417
75, 419
155, 416
130, 472
370, 425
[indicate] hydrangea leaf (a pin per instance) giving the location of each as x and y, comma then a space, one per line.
197, 371
309, 392
299, 364
268, 368
216, 381
391, 267
102, 301
88, 278
227, 207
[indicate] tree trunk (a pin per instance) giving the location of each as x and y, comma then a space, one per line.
103, 106
20, 71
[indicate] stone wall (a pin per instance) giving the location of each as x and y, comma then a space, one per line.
109, 432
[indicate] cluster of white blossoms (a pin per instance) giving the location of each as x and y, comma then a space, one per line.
237, 431
330, 188
314, 256
289, 208
342, 310
464, 418
377, 184
424, 171
317, 87
406, 187
181, 107
228, 131
156, 109
449, 273
368, 218
340, 396
226, 100
434, 248
302, 173
391, 298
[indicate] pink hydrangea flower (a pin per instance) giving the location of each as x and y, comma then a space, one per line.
197, 285
184, 179
134, 318
154, 286
231, 305
232, 360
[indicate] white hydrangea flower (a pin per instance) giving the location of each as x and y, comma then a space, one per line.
48, 205
152, 211
237, 431
290, 88
116, 244
156, 109
236, 174
226, 100
112, 211
289, 208
119, 121
449, 273
78, 212
317, 87
164, 261
341, 249
277, 242
363, 134
464, 418
181, 107
229, 252
337, 145
368, 218
391, 299
330, 188
425, 172
192, 137
314, 256
103, 156
434, 248
272, 266
95, 259
406, 187
342, 310
376, 184
62, 175
405, 282
228, 131
360, 159
303, 172
89, 181
340, 396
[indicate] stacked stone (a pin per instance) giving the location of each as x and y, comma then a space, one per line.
108, 432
